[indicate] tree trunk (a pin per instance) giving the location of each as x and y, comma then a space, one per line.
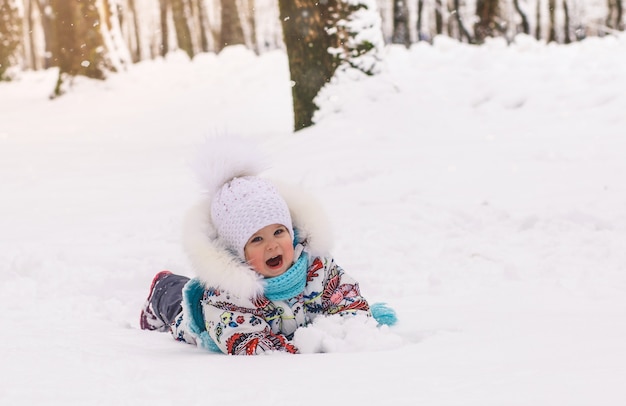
33, 60
487, 13
462, 29
538, 21
165, 39
181, 26
231, 32
304, 25
525, 24
420, 10
401, 34
136, 53
552, 13
201, 23
79, 47
117, 51
10, 36
48, 32
438, 17
609, 14
63, 46
252, 25
566, 28
614, 17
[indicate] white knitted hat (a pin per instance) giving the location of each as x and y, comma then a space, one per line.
243, 206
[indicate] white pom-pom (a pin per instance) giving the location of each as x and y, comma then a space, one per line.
224, 157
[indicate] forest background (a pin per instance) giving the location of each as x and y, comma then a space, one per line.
95, 38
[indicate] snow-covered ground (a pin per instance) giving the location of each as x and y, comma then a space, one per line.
478, 191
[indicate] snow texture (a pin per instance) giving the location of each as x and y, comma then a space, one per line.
478, 191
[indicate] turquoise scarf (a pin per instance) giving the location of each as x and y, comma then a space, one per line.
289, 284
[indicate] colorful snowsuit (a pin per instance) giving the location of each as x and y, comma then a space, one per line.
225, 308
250, 326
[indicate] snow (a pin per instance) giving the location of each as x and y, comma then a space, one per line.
477, 191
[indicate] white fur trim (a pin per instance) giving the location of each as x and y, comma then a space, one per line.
217, 267
213, 264
308, 217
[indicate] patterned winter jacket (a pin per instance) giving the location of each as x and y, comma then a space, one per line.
224, 307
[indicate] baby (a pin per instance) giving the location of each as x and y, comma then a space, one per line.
261, 261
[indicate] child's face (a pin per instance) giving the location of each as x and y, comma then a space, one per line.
270, 250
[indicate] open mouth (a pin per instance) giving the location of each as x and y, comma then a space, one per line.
275, 262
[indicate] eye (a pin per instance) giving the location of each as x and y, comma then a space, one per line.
256, 239
279, 231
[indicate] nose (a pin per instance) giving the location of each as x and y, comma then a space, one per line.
271, 245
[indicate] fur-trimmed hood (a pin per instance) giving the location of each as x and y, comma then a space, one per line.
223, 158
218, 267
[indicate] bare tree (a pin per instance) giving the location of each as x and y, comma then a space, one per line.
111, 19
566, 28
163, 15
252, 23
552, 14
438, 17
10, 36
136, 47
78, 47
43, 7
463, 31
401, 33
180, 14
525, 25
248, 19
231, 32
487, 24
538, 21
198, 12
208, 25
614, 17
420, 10
31, 56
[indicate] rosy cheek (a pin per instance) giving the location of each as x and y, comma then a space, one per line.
253, 259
